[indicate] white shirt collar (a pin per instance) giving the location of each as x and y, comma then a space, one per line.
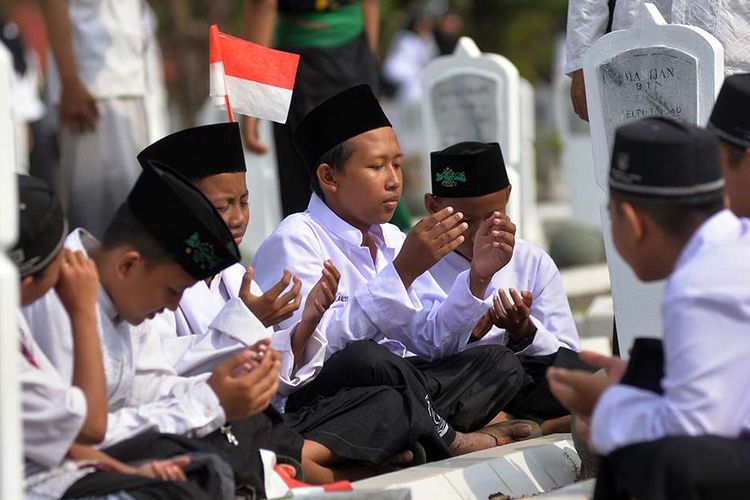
334, 224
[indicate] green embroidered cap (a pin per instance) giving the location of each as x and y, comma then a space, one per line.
468, 169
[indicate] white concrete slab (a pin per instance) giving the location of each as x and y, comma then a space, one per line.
518, 469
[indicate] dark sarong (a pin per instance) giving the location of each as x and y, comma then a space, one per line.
364, 424
102, 483
677, 468
470, 387
535, 401
265, 430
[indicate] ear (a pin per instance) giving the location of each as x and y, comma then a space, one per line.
633, 221
27, 281
430, 203
127, 263
327, 178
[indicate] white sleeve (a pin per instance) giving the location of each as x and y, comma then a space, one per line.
52, 413
703, 386
551, 314
587, 22
422, 318
159, 399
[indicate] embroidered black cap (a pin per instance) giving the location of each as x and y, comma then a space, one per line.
660, 158
468, 169
200, 152
42, 226
182, 221
341, 117
730, 118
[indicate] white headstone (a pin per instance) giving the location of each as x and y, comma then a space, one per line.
651, 69
10, 416
473, 96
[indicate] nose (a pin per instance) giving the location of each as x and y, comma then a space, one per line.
393, 182
235, 217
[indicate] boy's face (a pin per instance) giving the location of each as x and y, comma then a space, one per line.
34, 287
368, 187
141, 291
476, 209
638, 240
229, 196
737, 176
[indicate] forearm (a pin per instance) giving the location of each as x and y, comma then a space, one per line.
88, 375
371, 14
260, 21
82, 452
300, 337
60, 34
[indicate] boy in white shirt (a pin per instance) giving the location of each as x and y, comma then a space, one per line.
676, 437
530, 313
61, 420
390, 322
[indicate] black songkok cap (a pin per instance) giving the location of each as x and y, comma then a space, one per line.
200, 151
182, 221
468, 169
659, 158
730, 119
343, 116
41, 223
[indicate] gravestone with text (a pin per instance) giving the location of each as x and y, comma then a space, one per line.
10, 417
650, 69
473, 96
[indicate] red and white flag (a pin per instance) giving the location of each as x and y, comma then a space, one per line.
249, 78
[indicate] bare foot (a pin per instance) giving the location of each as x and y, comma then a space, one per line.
403, 458
556, 425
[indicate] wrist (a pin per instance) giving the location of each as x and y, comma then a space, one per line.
82, 314
407, 278
478, 284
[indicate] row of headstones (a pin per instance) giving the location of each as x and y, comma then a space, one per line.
10, 428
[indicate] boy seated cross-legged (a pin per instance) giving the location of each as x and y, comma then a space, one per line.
680, 435
530, 313
63, 419
391, 323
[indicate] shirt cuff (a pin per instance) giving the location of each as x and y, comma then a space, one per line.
208, 407
238, 322
545, 342
610, 428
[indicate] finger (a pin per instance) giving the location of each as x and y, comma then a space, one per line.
319, 307
520, 304
236, 361
528, 297
332, 269
280, 286
176, 474
247, 279
498, 311
331, 282
598, 360
484, 228
446, 225
293, 293
180, 461
450, 236
448, 248
507, 305
436, 218
327, 294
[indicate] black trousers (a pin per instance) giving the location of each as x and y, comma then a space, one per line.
461, 392
362, 424
535, 401
679, 468
322, 73
102, 483
264, 430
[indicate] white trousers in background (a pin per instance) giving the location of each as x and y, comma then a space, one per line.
97, 169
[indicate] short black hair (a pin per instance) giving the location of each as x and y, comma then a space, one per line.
125, 229
736, 153
335, 157
678, 219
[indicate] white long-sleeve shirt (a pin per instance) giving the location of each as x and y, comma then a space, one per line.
212, 324
530, 269
372, 302
706, 313
144, 391
727, 20
52, 414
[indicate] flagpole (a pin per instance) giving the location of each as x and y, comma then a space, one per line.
229, 108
